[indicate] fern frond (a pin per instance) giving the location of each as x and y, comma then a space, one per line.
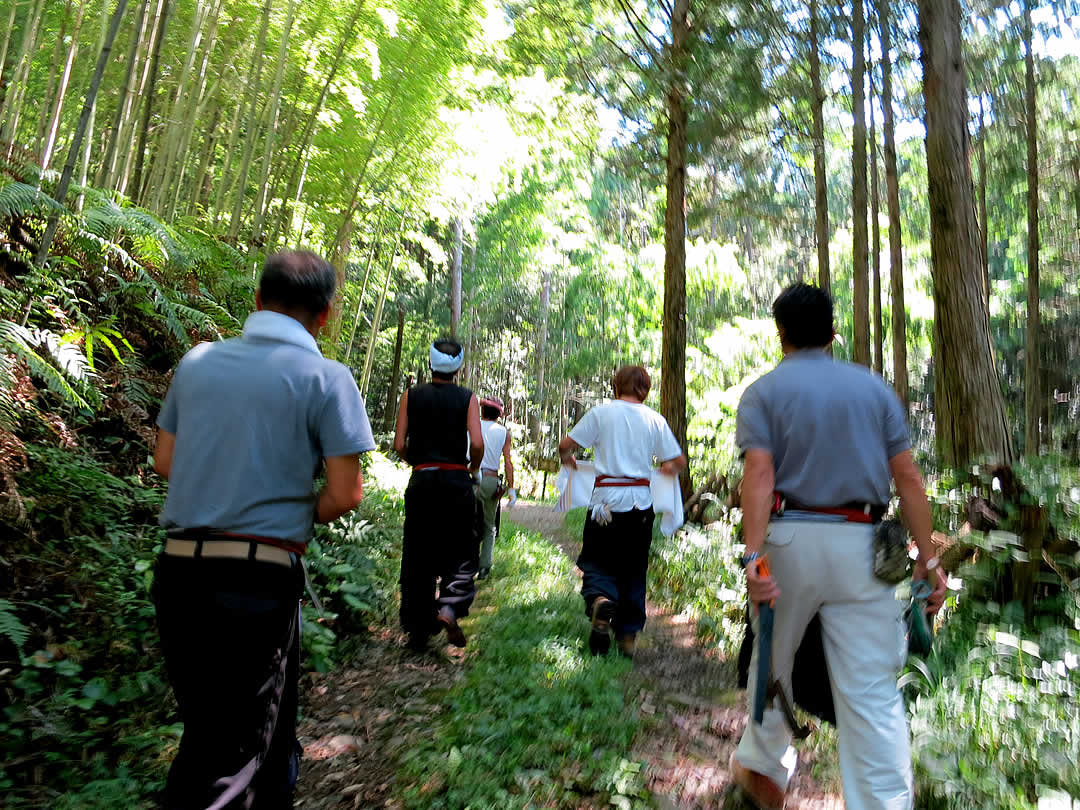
204, 302
10, 626
18, 200
21, 342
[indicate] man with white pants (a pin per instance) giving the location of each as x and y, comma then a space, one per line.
824, 437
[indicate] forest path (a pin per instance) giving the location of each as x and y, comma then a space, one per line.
694, 714
362, 717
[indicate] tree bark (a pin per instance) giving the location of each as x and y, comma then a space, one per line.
80, 131
969, 410
455, 280
252, 124
4, 48
1032, 383
65, 77
860, 350
984, 223
107, 173
673, 338
821, 192
892, 193
272, 127
390, 410
84, 169
13, 98
179, 115
875, 240
284, 221
148, 110
363, 287
376, 320
541, 355
47, 100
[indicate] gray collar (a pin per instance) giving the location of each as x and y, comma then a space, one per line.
267, 325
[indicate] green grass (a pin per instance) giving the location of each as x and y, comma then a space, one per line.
534, 721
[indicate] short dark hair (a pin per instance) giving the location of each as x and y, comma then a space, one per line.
450, 347
632, 380
490, 412
298, 281
804, 316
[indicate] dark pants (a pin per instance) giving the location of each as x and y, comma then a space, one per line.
439, 543
231, 641
614, 560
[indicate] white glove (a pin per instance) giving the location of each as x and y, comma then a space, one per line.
601, 513
511, 498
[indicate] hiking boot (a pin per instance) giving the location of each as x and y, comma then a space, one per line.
603, 614
483, 573
454, 633
762, 791
626, 644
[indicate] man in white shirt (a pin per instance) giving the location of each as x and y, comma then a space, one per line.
626, 437
490, 488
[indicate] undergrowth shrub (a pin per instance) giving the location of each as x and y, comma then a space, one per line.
87, 717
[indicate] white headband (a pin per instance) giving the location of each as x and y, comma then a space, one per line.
445, 363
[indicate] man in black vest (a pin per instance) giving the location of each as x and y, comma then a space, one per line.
437, 423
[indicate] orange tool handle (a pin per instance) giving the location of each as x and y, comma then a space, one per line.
762, 567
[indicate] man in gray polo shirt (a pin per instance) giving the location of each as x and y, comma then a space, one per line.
826, 437
246, 426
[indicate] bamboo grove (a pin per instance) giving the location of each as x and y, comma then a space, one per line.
566, 185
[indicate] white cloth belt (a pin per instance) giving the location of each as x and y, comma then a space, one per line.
576, 488
228, 549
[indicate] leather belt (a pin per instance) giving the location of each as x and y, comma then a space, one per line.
439, 465
620, 481
228, 549
851, 512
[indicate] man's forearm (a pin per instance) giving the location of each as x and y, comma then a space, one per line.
759, 479
328, 508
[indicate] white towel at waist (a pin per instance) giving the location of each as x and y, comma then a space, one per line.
576, 488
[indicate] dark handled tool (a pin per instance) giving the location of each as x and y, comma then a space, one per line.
766, 687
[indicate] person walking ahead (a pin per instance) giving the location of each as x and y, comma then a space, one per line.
825, 437
626, 436
245, 426
437, 423
490, 488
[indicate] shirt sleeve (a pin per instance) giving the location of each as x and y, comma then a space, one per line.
344, 428
667, 446
897, 434
585, 432
752, 423
168, 417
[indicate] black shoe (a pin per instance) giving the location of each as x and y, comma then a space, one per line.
417, 642
454, 633
483, 573
603, 614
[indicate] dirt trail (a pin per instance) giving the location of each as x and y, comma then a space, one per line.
695, 714
359, 719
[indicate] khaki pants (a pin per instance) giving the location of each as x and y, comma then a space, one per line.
825, 567
489, 501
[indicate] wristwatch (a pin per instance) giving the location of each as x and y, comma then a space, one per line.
746, 559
